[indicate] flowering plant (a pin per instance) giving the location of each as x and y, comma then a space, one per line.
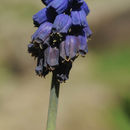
61, 36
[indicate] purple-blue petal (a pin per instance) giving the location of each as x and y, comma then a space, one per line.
84, 6
62, 50
79, 18
42, 33
59, 6
40, 17
88, 31
83, 47
62, 23
52, 57
71, 46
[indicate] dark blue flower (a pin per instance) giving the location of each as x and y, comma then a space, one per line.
85, 7
58, 6
69, 48
83, 47
40, 69
51, 57
62, 24
63, 71
40, 17
79, 18
42, 33
34, 49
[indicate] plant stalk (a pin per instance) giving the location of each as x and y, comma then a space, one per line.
53, 103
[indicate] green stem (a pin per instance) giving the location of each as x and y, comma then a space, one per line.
53, 103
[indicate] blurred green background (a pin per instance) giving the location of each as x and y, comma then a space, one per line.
97, 95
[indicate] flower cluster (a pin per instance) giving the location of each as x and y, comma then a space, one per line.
61, 36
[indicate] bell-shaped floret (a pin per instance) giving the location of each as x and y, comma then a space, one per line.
84, 6
63, 71
79, 18
83, 47
51, 57
42, 34
40, 69
69, 48
34, 50
62, 23
40, 17
58, 6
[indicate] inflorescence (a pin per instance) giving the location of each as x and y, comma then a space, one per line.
61, 36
